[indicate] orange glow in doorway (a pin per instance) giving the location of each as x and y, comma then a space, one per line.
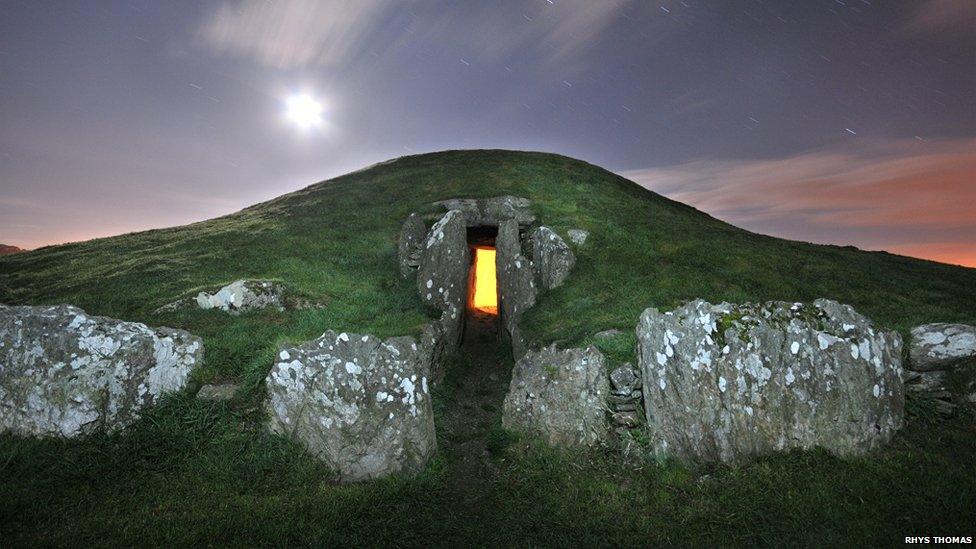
484, 295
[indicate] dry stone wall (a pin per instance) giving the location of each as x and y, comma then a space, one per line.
936, 350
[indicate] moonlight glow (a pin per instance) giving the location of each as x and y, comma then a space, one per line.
304, 111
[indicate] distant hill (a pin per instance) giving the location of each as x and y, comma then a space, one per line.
335, 242
7, 250
202, 473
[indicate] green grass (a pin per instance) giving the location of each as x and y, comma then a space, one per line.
197, 473
192, 472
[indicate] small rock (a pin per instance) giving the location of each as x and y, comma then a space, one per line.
243, 295
607, 334
944, 407
218, 392
926, 382
626, 419
623, 379
625, 407
620, 399
578, 236
941, 346
969, 396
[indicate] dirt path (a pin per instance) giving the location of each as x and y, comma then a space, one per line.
475, 402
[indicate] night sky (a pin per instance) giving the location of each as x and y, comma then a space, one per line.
848, 122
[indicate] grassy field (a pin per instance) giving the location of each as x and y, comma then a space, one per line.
191, 471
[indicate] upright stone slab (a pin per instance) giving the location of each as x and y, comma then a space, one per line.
410, 244
442, 279
941, 346
66, 373
725, 382
559, 395
433, 345
516, 286
551, 257
360, 404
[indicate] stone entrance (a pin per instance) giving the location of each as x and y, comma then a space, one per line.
482, 277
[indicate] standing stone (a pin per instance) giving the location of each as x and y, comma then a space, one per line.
433, 345
492, 211
725, 382
410, 244
559, 396
551, 257
65, 373
516, 286
360, 404
941, 346
442, 279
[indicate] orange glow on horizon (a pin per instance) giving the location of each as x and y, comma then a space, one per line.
484, 295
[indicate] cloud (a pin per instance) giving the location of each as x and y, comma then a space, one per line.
307, 33
292, 33
903, 196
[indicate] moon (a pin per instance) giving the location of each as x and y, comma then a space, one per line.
303, 111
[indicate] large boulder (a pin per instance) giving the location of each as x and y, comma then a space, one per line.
410, 244
516, 285
551, 257
442, 279
492, 211
724, 382
559, 396
941, 346
360, 404
65, 373
244, 295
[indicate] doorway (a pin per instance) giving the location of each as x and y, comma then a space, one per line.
482, 303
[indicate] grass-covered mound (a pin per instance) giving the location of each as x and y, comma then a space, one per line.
192, 470
335, 242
